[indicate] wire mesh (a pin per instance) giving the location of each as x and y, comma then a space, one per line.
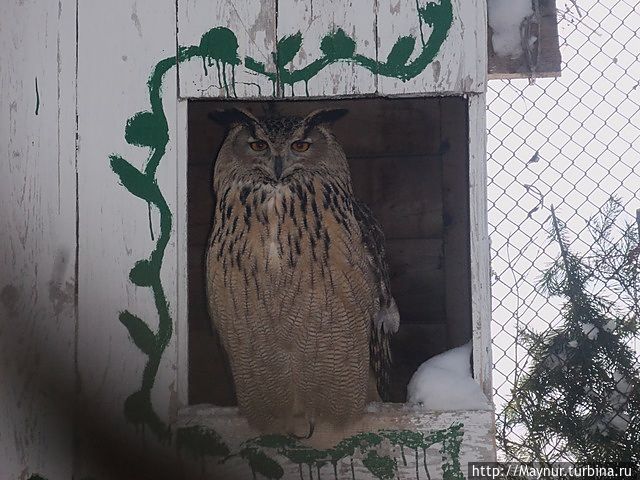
571, 143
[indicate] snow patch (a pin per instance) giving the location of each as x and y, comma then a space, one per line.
505, 18
590, 330
444, 382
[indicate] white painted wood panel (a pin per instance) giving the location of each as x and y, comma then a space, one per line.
227, 48
37, 237
432, 47
323, 48
127, 246
326, 47
479, 244
391, 441
182, 257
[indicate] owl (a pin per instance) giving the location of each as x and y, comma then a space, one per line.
297, 282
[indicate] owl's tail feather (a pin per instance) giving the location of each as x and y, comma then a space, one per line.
385, 323
388, 318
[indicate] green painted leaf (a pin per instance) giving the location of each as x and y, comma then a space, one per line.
220, 44
140, 333
381, 467
146, 129
401, 51
262, 464
434, 14
288, 47
337, 45
139, 411
134, 180
143, 274
201, 441
254, 65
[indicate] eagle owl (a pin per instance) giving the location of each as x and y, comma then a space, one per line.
297, 283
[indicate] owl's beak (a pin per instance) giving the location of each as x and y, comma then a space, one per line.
277, 167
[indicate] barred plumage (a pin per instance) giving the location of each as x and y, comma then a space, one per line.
297, 283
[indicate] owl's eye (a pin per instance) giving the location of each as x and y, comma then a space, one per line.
258, 145
300, 146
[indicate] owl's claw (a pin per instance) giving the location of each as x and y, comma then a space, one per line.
312, 427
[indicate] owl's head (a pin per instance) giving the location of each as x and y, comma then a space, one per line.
279, 149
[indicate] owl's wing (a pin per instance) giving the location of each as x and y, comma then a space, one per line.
387, 319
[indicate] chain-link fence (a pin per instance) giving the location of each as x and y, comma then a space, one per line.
566, 145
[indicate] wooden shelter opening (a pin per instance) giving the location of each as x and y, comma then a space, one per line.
409, 160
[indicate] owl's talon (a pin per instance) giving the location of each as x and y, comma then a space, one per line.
224, 460
312, 427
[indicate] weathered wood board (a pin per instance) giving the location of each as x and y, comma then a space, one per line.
456, 207
430, 47
226, 48
335, 39
390, 441
126, 351
325, 48
480, 250
37, 238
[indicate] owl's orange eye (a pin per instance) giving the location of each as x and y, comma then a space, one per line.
258, 145
300, 146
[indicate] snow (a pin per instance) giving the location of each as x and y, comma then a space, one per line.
590, 330
505, 17
444, 382
615, 418
620, 396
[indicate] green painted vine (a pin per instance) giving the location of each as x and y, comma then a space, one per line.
382, 453
149, 129
219, 47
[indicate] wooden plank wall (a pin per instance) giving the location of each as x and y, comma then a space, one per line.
408, 159
480, 247
312, 20
117, 230
251, 22
38, 194
454, 128
411, 462
330, 47
458, 67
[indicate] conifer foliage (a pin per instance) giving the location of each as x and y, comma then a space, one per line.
579, 399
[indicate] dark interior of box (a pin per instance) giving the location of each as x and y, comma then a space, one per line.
409, 163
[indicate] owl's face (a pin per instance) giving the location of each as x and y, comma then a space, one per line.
278, 150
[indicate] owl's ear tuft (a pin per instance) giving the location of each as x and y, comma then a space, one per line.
232, 116
323, 116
